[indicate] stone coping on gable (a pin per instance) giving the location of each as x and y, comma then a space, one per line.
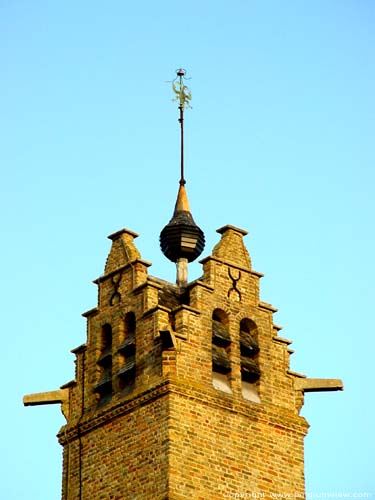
222, 261
79, 349
226, 263
277, 327
201, 283
104, 277
225, 228
146, 284
91, 312
267, 306
117, 234
296, 374
184, 307
158, 307
282, 340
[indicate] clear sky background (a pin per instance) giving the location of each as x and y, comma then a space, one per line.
280, 141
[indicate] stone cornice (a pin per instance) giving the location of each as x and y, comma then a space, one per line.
275, 415
271, 414
93, 420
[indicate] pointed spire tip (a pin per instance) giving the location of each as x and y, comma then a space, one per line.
182, 202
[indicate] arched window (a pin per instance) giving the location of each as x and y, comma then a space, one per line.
126, 374
221, 366
104, 386
250, 372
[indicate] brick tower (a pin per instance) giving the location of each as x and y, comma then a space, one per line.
182, 391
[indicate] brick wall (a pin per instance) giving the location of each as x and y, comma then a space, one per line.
146, 419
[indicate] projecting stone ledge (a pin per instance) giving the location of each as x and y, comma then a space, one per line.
49, 398
318, 384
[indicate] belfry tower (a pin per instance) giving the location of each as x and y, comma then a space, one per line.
182, 391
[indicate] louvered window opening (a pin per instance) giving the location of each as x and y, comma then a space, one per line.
220, 345
127, 350
249, 350
104, 385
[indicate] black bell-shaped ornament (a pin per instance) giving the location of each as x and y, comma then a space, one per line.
182, 238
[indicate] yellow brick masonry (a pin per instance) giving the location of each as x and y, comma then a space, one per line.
173, 435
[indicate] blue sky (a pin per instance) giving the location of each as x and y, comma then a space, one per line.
280, 141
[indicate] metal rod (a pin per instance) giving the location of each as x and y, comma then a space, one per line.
183, 95
181, 120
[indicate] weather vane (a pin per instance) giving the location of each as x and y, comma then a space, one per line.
183, 96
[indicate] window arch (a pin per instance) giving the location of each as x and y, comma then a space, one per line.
249, 348
221, 366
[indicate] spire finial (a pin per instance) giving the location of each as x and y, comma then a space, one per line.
183, 96
181, 240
